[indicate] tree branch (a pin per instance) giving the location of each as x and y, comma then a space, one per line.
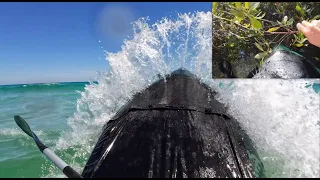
290, 32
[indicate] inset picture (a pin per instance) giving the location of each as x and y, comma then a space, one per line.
266, 40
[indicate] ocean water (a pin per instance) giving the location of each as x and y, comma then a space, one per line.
46, 107
281, 116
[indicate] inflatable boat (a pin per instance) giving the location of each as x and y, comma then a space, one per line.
174, 129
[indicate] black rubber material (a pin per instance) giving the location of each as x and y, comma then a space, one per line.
175, 128
40, 145
286, 65
281, 64
70, 173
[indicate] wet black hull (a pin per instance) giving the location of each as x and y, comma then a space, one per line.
286, 65
281, 64
173, 129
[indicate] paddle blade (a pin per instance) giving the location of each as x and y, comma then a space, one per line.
23, 125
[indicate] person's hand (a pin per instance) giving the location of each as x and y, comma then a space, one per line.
311, 31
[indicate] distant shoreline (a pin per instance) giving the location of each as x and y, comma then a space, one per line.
64, 82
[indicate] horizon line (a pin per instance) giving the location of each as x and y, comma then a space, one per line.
47, 83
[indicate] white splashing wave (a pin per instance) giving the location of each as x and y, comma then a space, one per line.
282, 118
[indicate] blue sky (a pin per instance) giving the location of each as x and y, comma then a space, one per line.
59, 41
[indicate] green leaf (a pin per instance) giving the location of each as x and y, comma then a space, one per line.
261, 55
273, 29
299, 45
238, 19
260, 17
231, 45
258, 46
214, 7
238, 5
246, 5
290, 22
246, 25
316, 17
298, 8
261, 63
238, 13
255, 6
300, 35
302, 41
255, 23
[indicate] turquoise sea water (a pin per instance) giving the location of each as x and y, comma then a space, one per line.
46, 107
